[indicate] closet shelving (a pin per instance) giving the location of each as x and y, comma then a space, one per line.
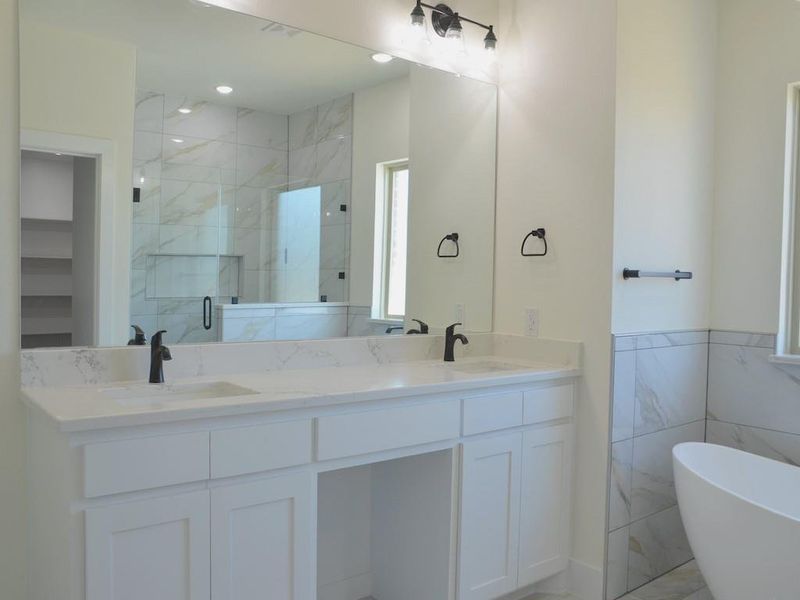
46, 252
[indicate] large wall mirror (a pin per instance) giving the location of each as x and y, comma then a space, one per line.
228, 178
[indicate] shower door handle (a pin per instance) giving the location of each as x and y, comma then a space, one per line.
207, 312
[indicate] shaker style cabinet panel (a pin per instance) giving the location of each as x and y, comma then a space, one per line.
489, 520
156, 549
545, 505
263, 539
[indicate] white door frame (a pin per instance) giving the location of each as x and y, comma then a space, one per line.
103, 151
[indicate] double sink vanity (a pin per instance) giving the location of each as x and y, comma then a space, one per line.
307, 219
334, 469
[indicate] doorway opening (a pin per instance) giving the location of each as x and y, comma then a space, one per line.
58, 203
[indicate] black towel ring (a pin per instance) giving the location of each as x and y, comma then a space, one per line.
537, 233
452, 237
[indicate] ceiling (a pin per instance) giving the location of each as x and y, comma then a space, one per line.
188, 48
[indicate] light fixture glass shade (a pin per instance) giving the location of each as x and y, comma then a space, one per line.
418, 28
454, 36
418, 16
490, 41
455, 31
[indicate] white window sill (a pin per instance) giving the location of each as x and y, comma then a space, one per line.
785, 359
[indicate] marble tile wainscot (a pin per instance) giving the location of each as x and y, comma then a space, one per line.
752, 402
659, 400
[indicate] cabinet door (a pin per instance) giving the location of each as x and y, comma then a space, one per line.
263, 539
546, 501
489, 520
156, 549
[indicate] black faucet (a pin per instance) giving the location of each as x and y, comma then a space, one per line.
450, 339
158, 354
392, 328
139, 339
423, 328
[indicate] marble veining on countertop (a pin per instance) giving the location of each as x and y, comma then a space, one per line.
88, 406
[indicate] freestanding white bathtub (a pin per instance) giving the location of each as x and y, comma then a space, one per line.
742, 517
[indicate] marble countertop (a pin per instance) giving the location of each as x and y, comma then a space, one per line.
89, 407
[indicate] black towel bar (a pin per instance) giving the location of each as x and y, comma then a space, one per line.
637, 274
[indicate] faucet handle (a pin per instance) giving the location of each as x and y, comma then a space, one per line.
139, 337
423, 326
452, 328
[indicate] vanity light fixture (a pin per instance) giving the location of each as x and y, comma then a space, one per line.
448, 24
184, 110
224, 89
382, 57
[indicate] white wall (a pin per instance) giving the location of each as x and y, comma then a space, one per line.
12, 417
452, 185
664, 162
82, 85
556, 170
84, 297
46, 186
759, 48
380, 134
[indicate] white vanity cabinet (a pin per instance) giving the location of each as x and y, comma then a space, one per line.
262, 538
439, 496
546, 503
489, 528
156, 549
516, 501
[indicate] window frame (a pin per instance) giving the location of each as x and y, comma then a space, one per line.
788, 338
384, 204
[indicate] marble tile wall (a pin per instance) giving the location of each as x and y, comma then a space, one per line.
752, 402
301, 321
658, 400
359, 322
208, 180
320, 153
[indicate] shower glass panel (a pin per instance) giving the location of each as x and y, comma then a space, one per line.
297, 246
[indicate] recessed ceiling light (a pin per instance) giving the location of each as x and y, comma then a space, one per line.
184, 110
381, 57
58, 153
177, 140
224, 89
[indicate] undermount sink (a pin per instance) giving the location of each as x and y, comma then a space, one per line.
148, 393
486, 366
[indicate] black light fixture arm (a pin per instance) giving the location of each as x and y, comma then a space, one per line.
461, 17
443, 17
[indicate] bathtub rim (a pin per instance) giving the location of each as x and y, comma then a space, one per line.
678, 448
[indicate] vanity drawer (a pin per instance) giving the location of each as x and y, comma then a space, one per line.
144, 463
492, 412
260, 448
548, 403
373, 431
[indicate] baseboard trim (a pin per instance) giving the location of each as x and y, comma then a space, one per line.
585, 581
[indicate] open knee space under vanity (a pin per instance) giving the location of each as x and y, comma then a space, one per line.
459, 494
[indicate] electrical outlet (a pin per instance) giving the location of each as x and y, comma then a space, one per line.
460, 314
532, 322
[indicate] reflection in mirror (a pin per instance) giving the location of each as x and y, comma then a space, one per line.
226, 178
